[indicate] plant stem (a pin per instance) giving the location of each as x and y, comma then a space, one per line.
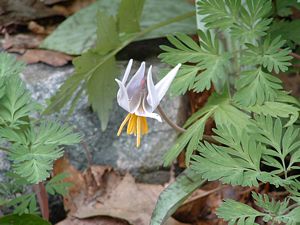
4, 149
180, 129
42, 197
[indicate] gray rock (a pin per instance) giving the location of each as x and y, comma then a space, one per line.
106, 148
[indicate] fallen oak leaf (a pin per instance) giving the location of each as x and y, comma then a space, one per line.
49, 57
21, 41
128, 200
99, 220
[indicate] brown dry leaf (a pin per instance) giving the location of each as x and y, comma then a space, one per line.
69, 9
102, 220
21, 41
39, 29
49, 57
107, 193
20, 12
127, 200
99, 220
63, 165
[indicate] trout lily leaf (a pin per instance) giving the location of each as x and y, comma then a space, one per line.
140, 97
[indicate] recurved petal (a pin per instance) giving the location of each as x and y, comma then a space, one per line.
149, 115
127, 71
163, 85
122, 96
152, 98
135, 84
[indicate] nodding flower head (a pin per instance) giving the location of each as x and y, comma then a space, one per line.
140, 97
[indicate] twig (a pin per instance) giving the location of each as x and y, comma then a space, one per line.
295, 55
42, 197
180, 129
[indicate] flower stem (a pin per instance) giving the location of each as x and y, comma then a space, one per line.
42, 197
180, 129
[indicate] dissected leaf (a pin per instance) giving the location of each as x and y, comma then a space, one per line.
238, 213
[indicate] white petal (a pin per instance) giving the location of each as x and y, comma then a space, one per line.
135, 102
146, 111
163, 85
135, 83
127, 71
149, 115
122, 96
152, 98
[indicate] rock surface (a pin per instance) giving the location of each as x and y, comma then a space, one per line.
106, 148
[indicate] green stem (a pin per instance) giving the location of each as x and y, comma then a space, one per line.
4, 149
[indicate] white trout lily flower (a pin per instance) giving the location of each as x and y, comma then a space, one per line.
140, 97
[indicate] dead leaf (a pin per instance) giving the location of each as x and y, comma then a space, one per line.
39, 29
21, 41
63, 165
49, 57
73, 7
107, 193
127, 199
20, 12
100, 220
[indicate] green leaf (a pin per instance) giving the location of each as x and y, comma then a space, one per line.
237, 164
208, 57
25, 219
9, 66
130, 22
238, 213
276, 109
174, 195
101, 89
284, 7
24, 204
219, 14
270, 55
289, 30
34, 164
16, 104
273, 208
218, 107
107, 34
78, 32
256, 87
57, 185
53, 133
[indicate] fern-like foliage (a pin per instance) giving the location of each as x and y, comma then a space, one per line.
268, 55
24, 204
236, 164
57, 185
283, 151
256, 87
34, 153
218, 107
272, 211
245, 21
208, 57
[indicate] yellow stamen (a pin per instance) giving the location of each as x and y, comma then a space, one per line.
123, 124
136, 125
131, 124
138, 131
144, 126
